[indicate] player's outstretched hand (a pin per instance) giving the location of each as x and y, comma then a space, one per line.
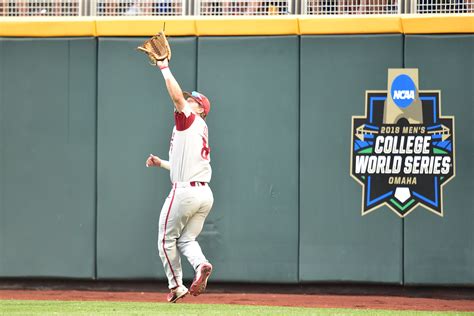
153, 161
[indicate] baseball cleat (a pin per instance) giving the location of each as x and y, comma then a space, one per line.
177, 293
200, 280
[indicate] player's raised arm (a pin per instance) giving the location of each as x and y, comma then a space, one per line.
172, 85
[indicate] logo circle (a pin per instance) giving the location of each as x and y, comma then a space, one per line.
403, 91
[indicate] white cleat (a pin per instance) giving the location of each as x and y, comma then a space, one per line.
177, 293
200, 280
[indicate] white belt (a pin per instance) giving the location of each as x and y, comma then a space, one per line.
189, 184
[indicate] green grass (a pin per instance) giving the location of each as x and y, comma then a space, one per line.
13, 307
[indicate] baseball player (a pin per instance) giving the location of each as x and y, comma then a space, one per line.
190, 200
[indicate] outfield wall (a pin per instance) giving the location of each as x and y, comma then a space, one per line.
79, 116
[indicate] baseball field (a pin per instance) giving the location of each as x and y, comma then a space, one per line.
335, 128
41, 301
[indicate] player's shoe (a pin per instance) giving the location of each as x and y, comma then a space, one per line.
200, 279
177, 293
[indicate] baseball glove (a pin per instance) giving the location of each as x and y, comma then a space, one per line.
157, 48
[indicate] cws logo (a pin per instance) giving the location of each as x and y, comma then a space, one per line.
403, 148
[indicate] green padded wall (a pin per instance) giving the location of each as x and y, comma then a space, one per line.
336, 242
48, 135
440, 250
135, 118
286, 208
252, 232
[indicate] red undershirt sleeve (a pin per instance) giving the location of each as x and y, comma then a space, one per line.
183, 120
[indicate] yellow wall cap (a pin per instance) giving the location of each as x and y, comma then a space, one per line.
145, 26
247, 25
236, 25
350, 24
438, 23
47, 26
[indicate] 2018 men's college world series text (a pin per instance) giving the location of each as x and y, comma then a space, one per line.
403, 148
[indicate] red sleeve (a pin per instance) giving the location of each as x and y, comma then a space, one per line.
182, 122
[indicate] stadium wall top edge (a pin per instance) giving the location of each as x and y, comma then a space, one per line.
236, 26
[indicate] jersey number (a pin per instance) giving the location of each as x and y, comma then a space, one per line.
205, 149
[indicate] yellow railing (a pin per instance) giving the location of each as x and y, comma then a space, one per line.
235, 26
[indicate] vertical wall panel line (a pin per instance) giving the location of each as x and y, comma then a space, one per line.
68, 112
96, 208
197, 65
299, 161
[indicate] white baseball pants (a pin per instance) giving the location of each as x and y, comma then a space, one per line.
181, 220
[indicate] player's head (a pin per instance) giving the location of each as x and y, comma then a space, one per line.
199, 103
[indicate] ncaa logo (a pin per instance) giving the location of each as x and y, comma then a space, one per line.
403, 91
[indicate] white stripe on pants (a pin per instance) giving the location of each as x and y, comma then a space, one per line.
181, 220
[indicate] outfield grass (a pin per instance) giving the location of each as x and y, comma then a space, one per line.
13, 307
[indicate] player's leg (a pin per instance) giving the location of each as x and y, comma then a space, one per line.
173, 218
166, 245
189, 247
187, 243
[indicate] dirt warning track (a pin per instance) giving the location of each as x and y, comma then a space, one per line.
265, 299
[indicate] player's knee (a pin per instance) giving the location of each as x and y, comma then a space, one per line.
181, 243
184, 242
166, 246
